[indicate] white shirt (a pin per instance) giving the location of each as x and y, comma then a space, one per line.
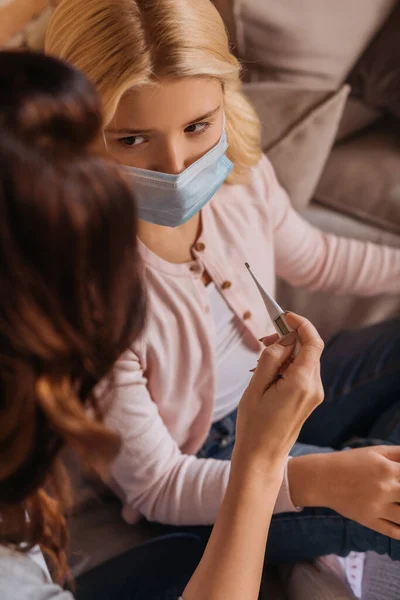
36, 555
234, 358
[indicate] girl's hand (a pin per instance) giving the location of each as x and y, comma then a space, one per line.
361, 484
273, 409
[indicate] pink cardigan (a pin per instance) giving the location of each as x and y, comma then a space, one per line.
164, 397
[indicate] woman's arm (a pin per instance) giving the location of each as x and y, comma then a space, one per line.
308, 257
270, 416
232, 564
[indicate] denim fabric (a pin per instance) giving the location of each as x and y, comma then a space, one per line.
156, 570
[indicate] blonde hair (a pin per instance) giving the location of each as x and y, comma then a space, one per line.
122, 44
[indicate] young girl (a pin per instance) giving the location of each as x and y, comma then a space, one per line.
71, 303
189, 141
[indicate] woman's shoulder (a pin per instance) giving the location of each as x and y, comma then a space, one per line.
21, 578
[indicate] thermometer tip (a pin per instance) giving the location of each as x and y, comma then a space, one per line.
247, 265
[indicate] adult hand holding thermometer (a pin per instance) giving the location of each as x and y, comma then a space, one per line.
276, 313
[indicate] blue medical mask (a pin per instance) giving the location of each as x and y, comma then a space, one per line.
171, 200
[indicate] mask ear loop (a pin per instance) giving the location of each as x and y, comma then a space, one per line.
223, 132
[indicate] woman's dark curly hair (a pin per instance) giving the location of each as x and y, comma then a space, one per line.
71, 298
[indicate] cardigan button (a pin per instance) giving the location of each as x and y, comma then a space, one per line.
196, 268
226, 285
200, 247
247, 315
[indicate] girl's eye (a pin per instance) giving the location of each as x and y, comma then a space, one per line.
132, 140
197, 128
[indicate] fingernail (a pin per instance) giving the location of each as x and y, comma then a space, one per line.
289, 339
262, 339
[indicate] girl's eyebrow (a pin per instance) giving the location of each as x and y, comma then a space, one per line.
131, 131
207, 115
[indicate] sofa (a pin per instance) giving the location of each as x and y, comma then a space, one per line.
324, 76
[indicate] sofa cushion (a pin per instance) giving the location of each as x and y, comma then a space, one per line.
362, 177
381, 578
228, 10
98, 533
310, 43
376, 77
298, 130
330, 313
309, 581
356, 116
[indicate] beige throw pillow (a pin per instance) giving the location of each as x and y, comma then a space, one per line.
356, 116
362, 178
376, 77
308, 43
298, 130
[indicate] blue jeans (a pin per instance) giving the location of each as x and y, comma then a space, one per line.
155, 570
361, 375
